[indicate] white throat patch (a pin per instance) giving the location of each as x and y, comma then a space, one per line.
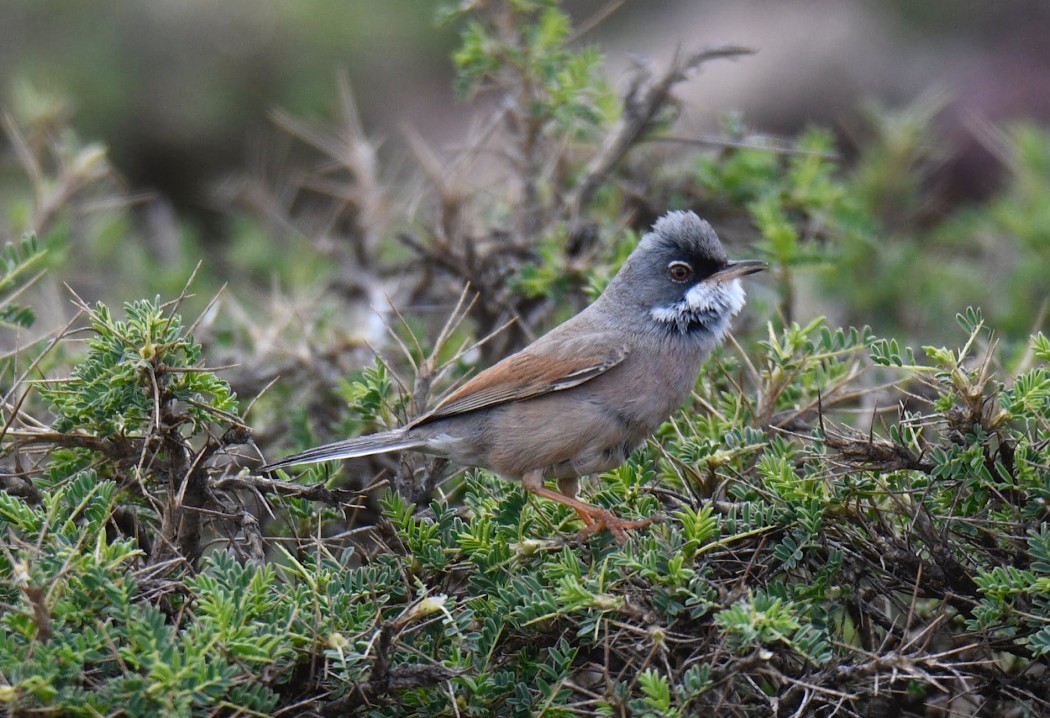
712, 304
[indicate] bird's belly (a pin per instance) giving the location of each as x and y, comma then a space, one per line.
596, 461
560, 435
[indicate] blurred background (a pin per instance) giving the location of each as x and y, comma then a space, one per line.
180, 90
183, 95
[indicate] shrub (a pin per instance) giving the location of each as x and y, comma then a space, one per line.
846, 523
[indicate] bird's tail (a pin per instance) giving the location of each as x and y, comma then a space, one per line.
381, 443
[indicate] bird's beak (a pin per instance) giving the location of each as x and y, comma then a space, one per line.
740, 268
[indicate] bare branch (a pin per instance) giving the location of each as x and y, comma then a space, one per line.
646, 95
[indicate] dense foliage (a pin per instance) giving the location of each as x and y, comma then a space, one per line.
848, 522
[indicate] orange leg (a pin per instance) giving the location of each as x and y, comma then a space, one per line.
570, 486
595, 518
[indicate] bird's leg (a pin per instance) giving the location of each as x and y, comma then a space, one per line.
570, 486
595, 517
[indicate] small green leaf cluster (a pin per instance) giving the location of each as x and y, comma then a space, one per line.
133, 368
530, 41
368, 395
560, 269
762, 619
16, 262
547, 277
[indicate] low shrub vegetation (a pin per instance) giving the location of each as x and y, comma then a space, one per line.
848, 520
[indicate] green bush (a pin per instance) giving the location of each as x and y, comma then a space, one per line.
846, 521
792, 553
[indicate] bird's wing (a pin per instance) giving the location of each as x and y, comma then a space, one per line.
539, 369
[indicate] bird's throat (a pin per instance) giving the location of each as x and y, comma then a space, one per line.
705, 309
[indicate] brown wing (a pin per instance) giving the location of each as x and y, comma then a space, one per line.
535, 371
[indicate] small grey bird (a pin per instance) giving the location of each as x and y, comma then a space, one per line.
581, 398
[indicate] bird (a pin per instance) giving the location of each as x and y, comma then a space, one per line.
580, 399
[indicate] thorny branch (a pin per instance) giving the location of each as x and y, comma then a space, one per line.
647, 94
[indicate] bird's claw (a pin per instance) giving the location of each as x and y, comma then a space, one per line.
603, 519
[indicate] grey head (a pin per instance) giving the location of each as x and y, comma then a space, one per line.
681, 281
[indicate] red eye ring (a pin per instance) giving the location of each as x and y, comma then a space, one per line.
679, 271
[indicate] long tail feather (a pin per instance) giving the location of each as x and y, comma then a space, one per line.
381, 443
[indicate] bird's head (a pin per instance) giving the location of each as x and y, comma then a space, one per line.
680, 277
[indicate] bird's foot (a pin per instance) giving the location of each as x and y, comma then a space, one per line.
598, 519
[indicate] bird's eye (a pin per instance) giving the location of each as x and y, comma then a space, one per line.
679, 272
